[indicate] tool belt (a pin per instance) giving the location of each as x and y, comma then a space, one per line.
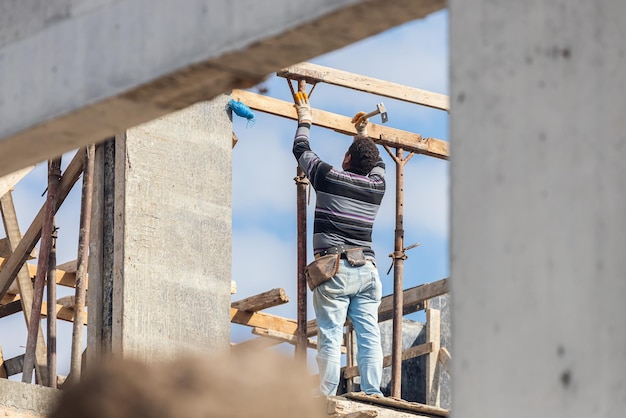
326, 263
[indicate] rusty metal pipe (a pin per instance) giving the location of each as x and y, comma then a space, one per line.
398, 272
82, 264
54, 177
301, 183
52, 311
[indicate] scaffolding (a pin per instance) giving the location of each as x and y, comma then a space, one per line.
17, 292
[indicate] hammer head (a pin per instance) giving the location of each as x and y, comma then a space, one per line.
383, 112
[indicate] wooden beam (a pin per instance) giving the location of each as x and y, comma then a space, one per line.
263, 320
254, 344
8, 298
314, 73
399, 404
24, 284
433, 329
32, 235
64, 312
261, 301
287, 338
63, 278
413, 299
418, 350
5, 249
12, 366
445, 359
340, 407
11, 308
410, 142
9, 181
68, 266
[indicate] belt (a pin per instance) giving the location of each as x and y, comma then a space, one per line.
340, 249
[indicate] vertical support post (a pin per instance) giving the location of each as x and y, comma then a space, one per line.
301, 183
398, 256
108, 227
398, 271
25, 286
82, 260
54, 177
349, 342
51, 309
433, 335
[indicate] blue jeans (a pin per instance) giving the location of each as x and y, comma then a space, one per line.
354, 292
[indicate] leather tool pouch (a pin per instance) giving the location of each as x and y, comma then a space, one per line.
355, 257
321, 270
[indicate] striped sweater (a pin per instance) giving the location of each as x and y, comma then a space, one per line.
346, 203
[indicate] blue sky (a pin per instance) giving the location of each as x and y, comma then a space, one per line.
264, 207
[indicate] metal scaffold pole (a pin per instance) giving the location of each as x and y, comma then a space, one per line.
398, 257
54, 178
301, 183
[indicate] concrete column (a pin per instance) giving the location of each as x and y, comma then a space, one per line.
172, 237
538, 175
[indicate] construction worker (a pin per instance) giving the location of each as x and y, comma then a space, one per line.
347, 202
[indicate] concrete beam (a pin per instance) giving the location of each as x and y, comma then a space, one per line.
79, 72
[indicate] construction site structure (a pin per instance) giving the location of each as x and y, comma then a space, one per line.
134, 206
537, 207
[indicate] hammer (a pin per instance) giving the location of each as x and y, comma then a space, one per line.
380, 108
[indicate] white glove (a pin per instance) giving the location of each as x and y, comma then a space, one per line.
305, 115
360, 123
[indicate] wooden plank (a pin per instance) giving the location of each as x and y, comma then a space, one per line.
261, 301
13, 365
418, 350
263, 320
287, 338
254, 344
8, 298
380, 134
11, 308
338, 406
433, 328
413, 301
24, 284
399, 404
32, 235
68, 266
9, 181
5, 249
64, 313
314, 73
63, 278
445, 359
414, 298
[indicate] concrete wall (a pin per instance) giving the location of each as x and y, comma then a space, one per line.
75, 72
19, 399
538, 176
172, 259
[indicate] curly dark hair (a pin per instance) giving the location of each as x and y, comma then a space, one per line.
364, 155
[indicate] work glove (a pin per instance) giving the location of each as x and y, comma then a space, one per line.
305, 115
360, 123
